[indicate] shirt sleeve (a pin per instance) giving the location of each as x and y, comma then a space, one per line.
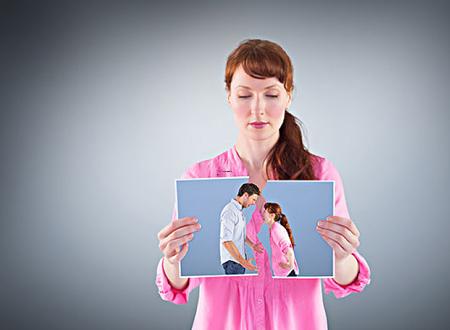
227, 224
169, 293
166, 290
254, 226
281, 238
329, 172
284, 244
252, 229
357, 285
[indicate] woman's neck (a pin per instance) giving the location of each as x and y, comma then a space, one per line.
254, 152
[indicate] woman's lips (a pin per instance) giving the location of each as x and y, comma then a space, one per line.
258, 124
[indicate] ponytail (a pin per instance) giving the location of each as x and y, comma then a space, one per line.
289, 159
274, 208
284, 222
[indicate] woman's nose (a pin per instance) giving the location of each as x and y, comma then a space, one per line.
258, 106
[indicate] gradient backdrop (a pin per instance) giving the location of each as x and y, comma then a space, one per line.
104, 105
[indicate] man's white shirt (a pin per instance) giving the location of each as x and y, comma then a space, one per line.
232, 228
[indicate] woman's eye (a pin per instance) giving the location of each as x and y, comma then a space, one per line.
247, 96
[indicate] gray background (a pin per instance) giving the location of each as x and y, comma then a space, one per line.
103, 105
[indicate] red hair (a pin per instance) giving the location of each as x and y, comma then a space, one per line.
274, 208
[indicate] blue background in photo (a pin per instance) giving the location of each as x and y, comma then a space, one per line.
304, 203
205, 200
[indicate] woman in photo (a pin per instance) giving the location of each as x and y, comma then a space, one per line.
269, 145
281, 241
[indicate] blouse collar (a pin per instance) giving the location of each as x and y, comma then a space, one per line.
237, 162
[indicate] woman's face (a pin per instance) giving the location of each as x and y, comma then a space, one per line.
258, 105
268, 217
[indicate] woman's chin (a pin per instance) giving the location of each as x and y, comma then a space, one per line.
259, 135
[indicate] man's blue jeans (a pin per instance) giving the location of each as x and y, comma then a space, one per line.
232, 267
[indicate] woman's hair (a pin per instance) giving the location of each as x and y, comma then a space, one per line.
274, 208
288, 159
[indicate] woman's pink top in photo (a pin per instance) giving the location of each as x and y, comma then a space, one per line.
261, 302
280, 243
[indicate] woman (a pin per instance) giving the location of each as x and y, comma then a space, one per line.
269, 145
281, 241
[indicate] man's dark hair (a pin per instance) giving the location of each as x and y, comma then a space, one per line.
249, 188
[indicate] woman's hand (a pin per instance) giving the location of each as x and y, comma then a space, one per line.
341, 234
285, 265
177, 233
289, 255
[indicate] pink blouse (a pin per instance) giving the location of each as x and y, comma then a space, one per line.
280, 243
261, 302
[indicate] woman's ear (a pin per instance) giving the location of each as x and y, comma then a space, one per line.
228, 95
289, 100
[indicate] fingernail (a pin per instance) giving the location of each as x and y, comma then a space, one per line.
195, 220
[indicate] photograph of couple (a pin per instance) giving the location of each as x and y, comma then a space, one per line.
242, 224
233, 235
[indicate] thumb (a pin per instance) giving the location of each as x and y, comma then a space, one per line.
183, 252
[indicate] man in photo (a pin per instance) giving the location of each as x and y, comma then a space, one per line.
232, 231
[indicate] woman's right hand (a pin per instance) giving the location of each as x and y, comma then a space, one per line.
177, 233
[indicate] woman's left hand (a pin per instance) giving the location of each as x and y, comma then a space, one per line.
284, 265
341, 234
